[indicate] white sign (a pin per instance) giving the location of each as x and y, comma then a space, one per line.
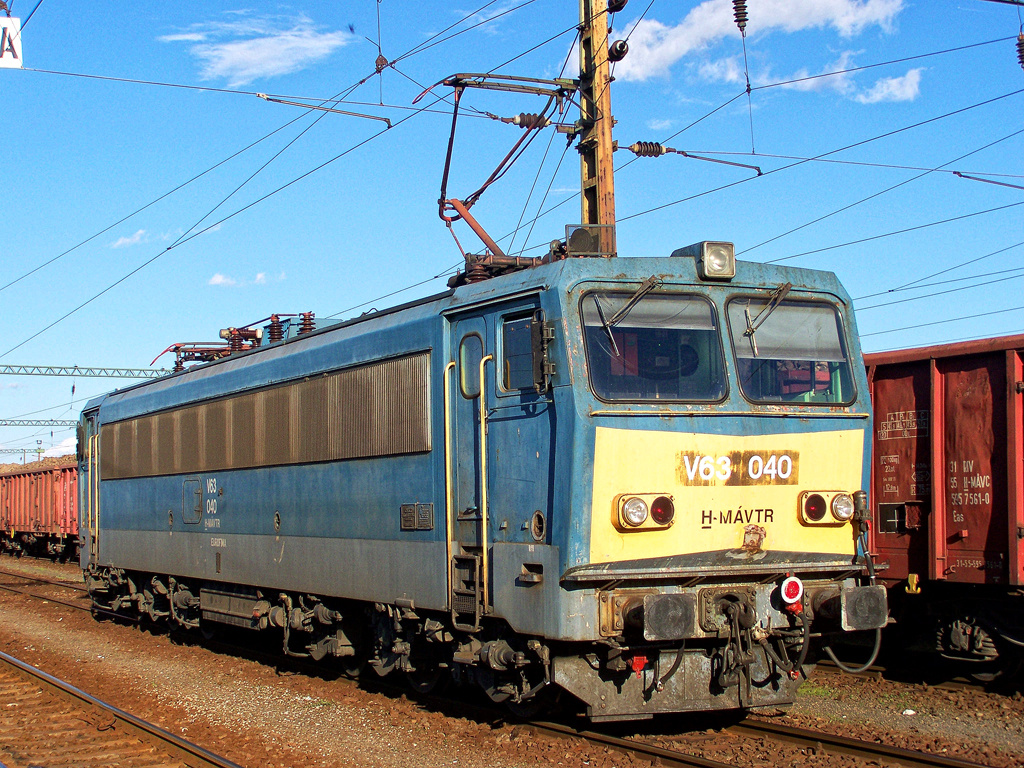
10, 43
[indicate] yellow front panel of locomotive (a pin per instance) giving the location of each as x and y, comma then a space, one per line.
720, 486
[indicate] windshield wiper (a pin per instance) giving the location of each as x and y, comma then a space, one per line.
646, 287
752, 325
606, 325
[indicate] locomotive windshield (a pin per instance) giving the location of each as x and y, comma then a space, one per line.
790, 351
653, 347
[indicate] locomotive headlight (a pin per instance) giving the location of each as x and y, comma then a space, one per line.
718, 261
842, 507
634, 511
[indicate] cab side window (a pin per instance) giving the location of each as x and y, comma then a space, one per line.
517, 353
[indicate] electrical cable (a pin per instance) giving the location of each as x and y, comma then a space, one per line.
231, 157
920, 284
450, 270
148, 205
540, 167
823, 154
888, 304
886, 166
895, 232
424, 46
881, 64
942, 322
880, 193
184, 240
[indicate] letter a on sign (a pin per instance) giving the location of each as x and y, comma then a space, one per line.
10, 43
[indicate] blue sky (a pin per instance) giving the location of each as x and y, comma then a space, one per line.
330, 213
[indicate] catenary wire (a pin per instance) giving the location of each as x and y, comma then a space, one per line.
184, 240
915, 283
887, 304
896, 232
149, 204
198, 88
942, 322
824, 154
880, 64
864, 163
847, 207
348, 90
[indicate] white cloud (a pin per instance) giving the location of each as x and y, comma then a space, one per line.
125, 242
659, 125
803, 80
260, 278
906, 88
63, 448
219, 279
654, 47
249, 48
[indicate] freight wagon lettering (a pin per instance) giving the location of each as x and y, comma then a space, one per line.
709, 517
898, 424
739, 468
961, 498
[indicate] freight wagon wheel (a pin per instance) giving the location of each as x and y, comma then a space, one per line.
980, 651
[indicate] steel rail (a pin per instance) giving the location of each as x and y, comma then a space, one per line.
667, 757
842, 745
180, 748
39, 580
90, 608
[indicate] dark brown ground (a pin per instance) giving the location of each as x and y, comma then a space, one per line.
259, 715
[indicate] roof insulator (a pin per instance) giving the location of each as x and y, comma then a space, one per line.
739, 8
649, 149
528, 120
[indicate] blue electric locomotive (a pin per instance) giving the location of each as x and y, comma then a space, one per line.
635, 480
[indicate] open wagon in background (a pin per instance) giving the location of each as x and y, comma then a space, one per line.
948, 497
39, 510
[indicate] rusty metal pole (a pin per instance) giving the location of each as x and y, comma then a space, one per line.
595, 145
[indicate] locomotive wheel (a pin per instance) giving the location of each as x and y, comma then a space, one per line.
425, 678
535, 706
353, 666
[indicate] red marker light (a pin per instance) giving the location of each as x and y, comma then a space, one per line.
792, 590
663, 510
815, 507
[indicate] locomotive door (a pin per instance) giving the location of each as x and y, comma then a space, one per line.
470, 368
88, 489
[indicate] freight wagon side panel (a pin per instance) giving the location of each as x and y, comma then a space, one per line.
941, 474
902, 465
973, 450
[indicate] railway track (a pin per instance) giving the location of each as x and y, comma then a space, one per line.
815, 742
46, 721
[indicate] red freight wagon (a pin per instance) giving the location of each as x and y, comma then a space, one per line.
948, 495
39, 510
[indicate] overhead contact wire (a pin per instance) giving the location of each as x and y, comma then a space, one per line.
181, 242
880, 193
